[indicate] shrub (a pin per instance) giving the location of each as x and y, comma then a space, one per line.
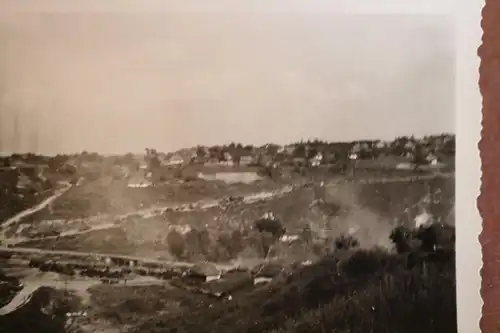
346, 242
176, 244
232, 243
275, 227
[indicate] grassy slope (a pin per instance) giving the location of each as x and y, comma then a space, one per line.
379, 204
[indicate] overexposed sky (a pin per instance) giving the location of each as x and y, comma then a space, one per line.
118, 81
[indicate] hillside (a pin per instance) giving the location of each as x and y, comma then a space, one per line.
371, 291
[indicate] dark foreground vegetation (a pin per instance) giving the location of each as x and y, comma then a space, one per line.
348, 291
45, 313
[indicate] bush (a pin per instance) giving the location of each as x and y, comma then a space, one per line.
232, 243
176, 244
198, 243
275, 227
346, 242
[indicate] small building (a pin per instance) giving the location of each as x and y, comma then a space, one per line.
24, 181
174, 160
289, 150
212, 162
228, 157
381, 145
9, 177
299, 161
316, 160
139, 180
205, 271
246, 159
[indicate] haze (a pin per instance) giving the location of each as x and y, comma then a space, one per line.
120, 82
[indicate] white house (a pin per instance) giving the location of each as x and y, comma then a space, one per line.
176, 159
423, 219
289, 238
228, 157
405, 166
246, 159
261, 280
316, 160
138, 181
434, 161
410, 145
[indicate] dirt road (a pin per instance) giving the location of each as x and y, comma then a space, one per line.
21, 250
18, 217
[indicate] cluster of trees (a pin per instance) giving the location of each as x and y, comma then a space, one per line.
199, 245
367, 290
265, 233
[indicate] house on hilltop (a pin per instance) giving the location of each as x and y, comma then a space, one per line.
139, 180
174, 160
246, 159
241, 156
316, 160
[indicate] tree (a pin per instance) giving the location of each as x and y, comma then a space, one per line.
176, 244
204, 241
299, 150
272, 226
200, 152
346, 242
398, 146
272, 149
401, 237
448, 147
313, 151
267, 240
306, 235
419, 157
232, 243
198, 242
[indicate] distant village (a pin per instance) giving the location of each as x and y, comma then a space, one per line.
34, 173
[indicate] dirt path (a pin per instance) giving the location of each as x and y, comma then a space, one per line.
30, 211
22, 298
102, 222
78, 285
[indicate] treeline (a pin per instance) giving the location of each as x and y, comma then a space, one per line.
443, 143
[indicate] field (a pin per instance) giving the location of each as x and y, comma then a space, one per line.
114, 197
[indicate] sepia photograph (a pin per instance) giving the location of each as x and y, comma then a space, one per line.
228, 169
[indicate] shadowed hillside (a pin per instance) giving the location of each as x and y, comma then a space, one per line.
367, 291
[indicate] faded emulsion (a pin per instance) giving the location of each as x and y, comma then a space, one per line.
227, 171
